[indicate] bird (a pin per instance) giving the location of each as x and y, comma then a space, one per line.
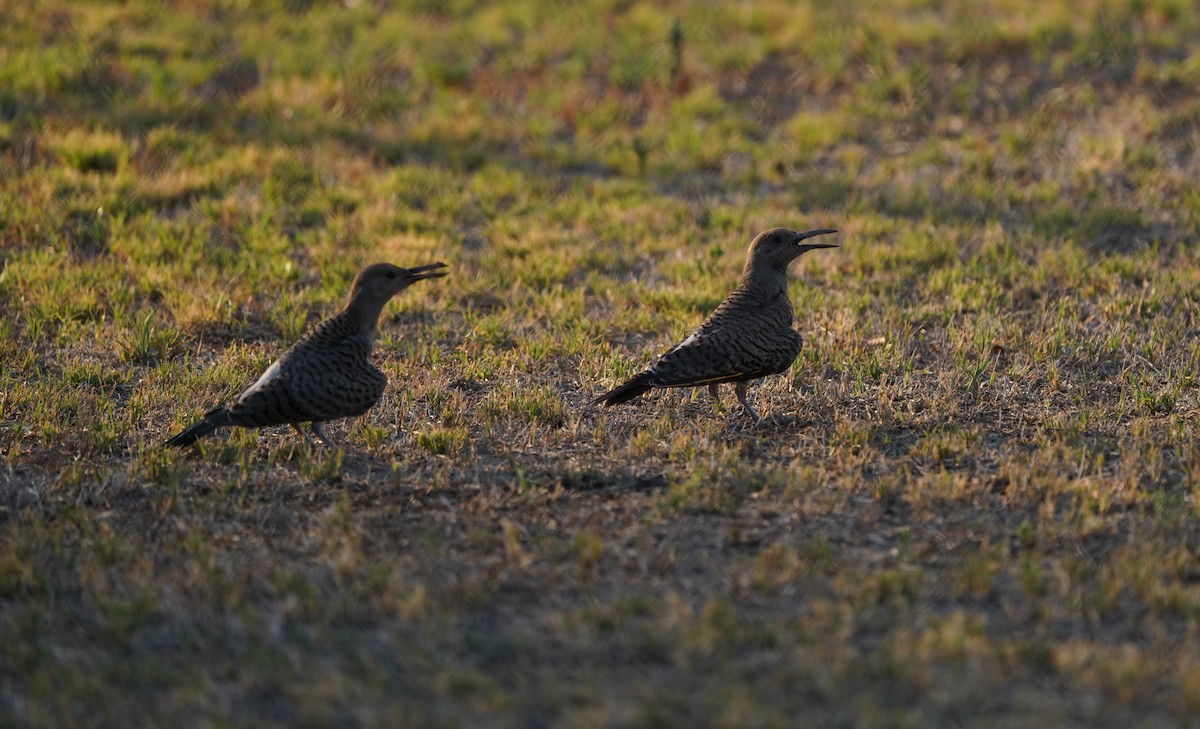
325, 375
748, 337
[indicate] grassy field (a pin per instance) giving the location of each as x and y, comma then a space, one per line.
974, 502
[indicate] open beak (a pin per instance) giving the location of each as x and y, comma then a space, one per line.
418, 273
812, 234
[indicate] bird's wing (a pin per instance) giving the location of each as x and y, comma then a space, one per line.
310, 390
324, 376
337, 387
330, 375
705, 360
270, 400
727, 348
745, 338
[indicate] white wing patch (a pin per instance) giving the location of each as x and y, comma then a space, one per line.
266, 379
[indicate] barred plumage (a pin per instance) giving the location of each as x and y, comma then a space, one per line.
748, 337
328, 373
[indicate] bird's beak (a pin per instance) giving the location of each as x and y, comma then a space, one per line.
812, 234
419, 273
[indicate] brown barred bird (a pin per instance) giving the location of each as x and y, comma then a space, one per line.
748, 337
328, 373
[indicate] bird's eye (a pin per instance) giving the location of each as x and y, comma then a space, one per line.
391, 274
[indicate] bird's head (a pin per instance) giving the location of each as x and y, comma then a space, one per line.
381, 281
774, 249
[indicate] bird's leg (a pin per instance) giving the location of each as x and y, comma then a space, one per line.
740, 389
714, 391
312, 443
318, 429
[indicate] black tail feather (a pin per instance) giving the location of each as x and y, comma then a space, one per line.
212, 420
629, 391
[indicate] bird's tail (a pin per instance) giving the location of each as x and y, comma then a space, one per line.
212, 420
629, 391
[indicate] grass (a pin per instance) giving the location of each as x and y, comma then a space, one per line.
975, 502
